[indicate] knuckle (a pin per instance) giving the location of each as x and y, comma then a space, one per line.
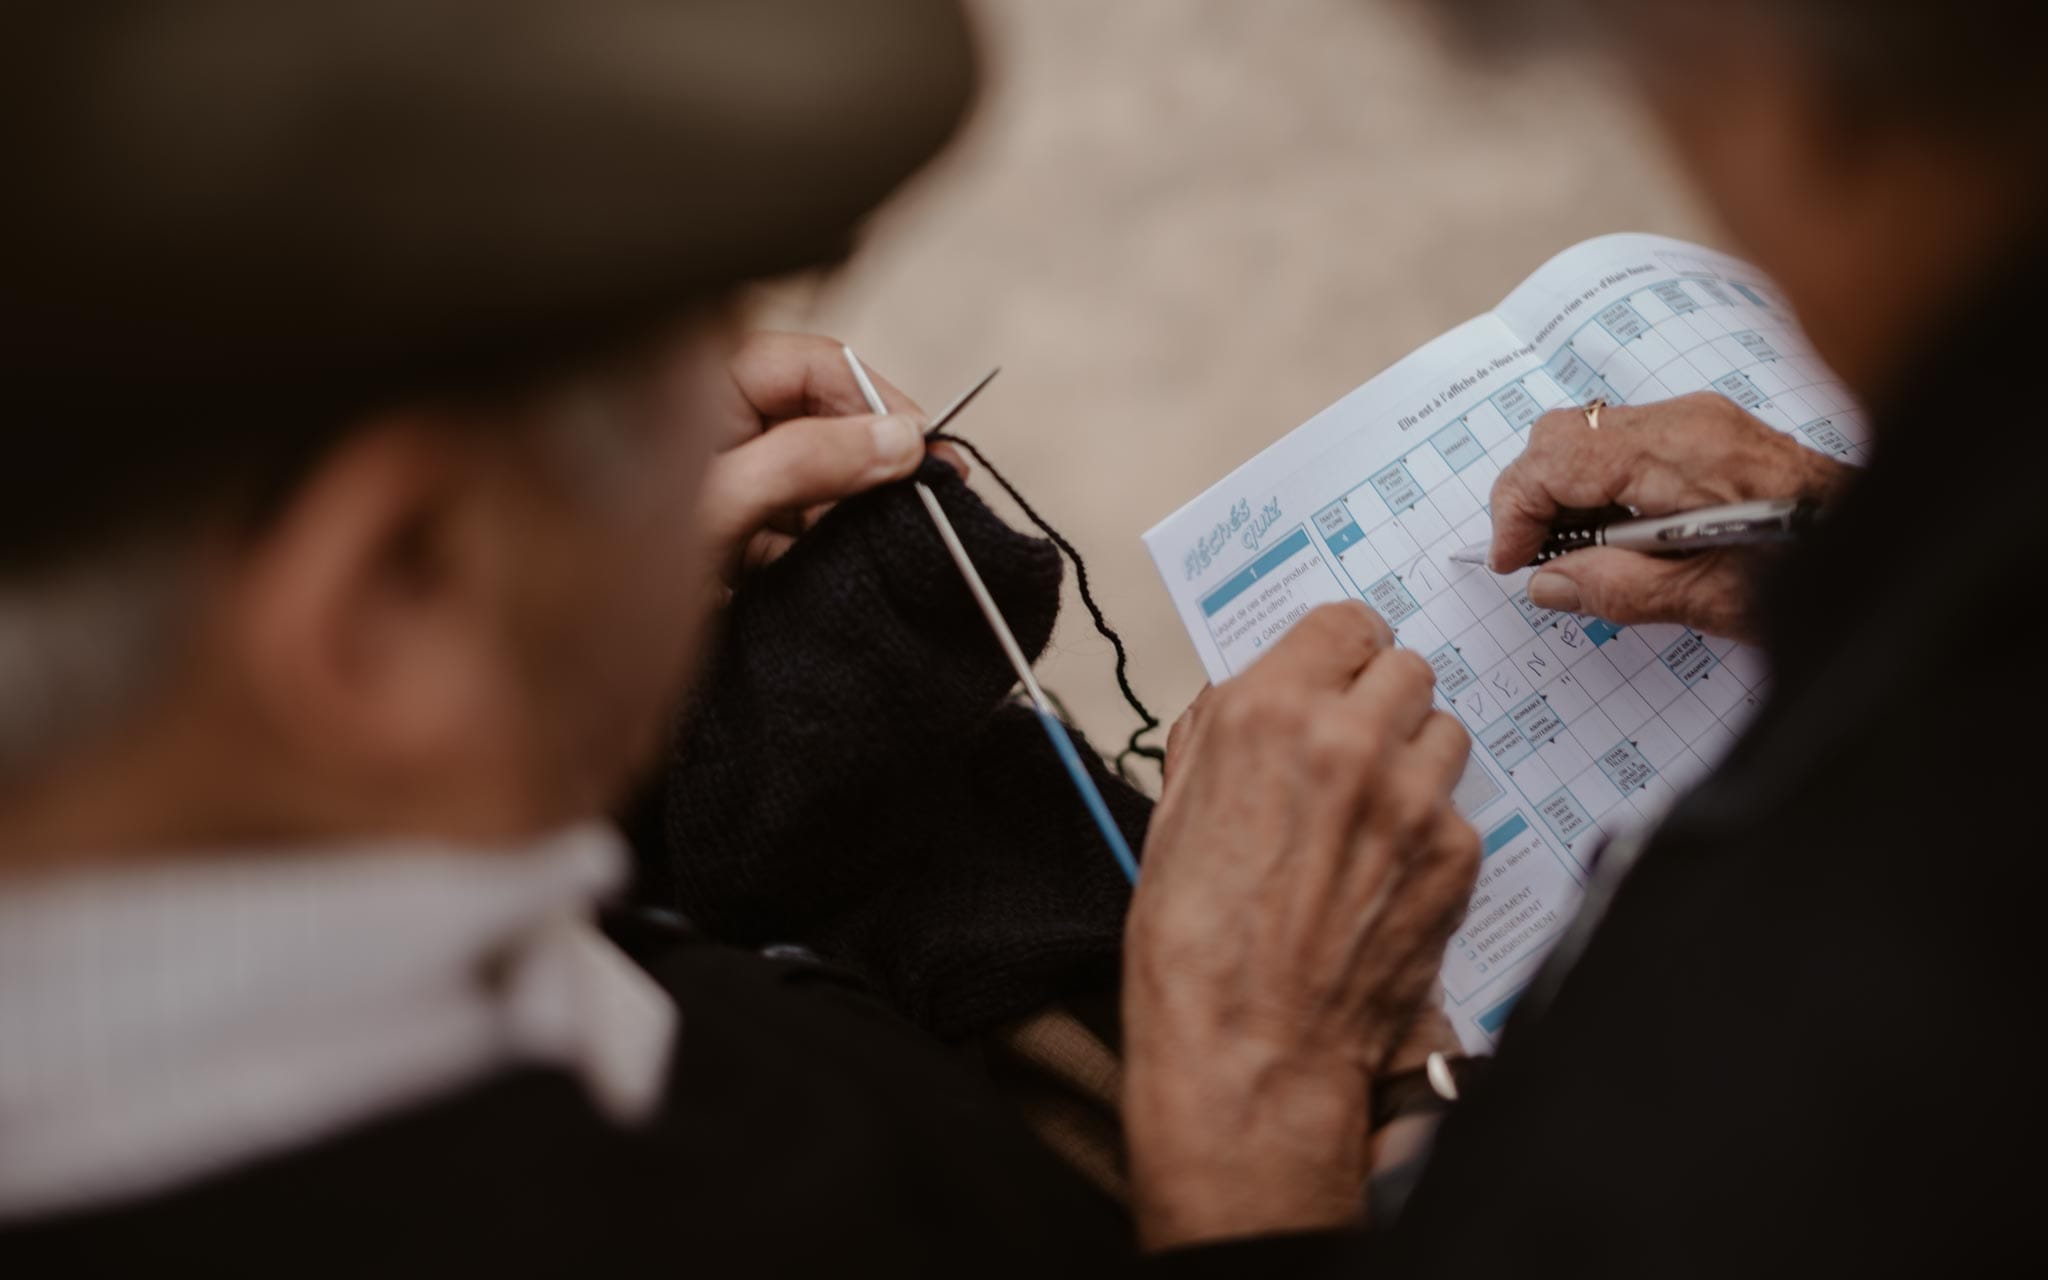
1460, 748
1348, 622
1666, 591
1516, 497
1453, 730
809, 447
1714, 404
1328, 620
1253, 711
1412, 669
1655, 595
1345, 634
820, 347
1337, 746
1618, 605
1411, 813
1378, 631
1460, 850
1501, 496
1236, 709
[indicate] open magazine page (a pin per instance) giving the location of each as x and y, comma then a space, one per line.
1581, 728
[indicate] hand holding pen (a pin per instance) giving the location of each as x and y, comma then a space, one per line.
1677, 456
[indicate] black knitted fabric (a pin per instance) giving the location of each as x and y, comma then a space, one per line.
854, 776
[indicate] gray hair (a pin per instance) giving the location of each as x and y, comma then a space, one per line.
79, 646
84, 642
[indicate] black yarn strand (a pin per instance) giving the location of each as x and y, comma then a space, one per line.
1133, 746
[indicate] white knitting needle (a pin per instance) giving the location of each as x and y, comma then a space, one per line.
1091, 796
945, 415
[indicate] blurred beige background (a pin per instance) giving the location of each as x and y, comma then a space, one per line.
1183, 226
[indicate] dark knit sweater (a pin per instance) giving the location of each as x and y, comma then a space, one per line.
853, 776
806, 1131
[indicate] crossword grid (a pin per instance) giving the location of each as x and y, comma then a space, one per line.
1590, 721
1585, 727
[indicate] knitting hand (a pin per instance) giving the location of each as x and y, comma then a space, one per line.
795, 437
1303, 872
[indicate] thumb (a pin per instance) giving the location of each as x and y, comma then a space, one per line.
807, 462
1620, 586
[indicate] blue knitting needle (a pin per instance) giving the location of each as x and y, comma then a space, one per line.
1091, 796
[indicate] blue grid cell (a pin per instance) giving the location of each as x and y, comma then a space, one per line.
1826, 435
1391, 599
1564, 815
1517, 405
1505, 743
1535, 719
1673, 295
1397, 488
1453, 674
1689, 659
1456, 446
1740, 389
1758, 347
1623, 322
1625, 767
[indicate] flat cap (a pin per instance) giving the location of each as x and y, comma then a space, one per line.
271, 199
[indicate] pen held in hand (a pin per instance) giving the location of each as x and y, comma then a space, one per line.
1737, 524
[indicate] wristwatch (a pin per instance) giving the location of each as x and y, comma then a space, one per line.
1426, 1090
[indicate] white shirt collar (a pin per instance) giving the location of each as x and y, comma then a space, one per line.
162, 1022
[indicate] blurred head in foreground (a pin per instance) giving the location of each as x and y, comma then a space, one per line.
1874, 156
349, 360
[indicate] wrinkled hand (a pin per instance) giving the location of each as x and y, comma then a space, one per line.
1695, 451
1302, 875
794, 436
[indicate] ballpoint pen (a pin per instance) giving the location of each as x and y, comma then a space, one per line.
1062, 745
1737, 524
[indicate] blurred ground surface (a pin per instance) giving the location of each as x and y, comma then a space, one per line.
1183, 226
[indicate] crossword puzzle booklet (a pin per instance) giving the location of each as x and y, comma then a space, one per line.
1580, 727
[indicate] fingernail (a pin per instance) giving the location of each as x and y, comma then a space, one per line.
1554, 591
897, 439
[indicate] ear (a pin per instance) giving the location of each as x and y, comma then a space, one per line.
370, 620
